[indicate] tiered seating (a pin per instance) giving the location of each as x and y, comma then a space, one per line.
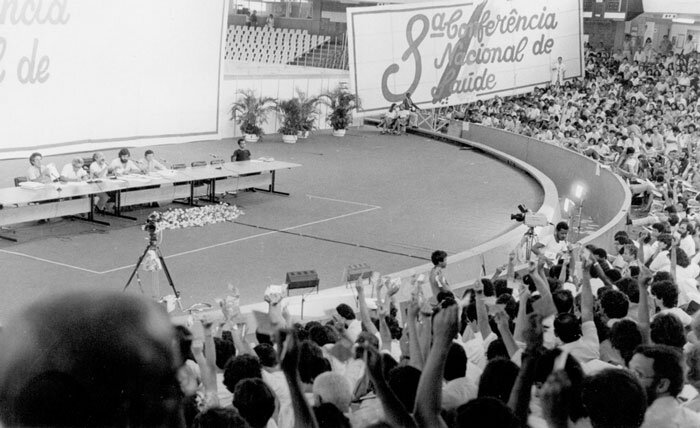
269, 45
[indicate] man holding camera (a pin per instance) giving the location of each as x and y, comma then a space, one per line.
552, 247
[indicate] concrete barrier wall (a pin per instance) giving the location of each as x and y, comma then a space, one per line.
607, 197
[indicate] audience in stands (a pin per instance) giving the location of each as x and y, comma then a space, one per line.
586, 338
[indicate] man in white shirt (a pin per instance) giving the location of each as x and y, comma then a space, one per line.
553, 246
688, 46
659, 369
74, 171
665, 295
661, 261
558, 72
687, 243
149, 163
41, 173
123, 164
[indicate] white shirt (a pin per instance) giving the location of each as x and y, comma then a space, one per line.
457, 392
278, 383
98, 171
666, 412
587, 347
682, 315
552, 249
687, 244
661, 262
71, 174
119, 168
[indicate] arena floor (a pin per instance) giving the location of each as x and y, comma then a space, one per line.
388, 201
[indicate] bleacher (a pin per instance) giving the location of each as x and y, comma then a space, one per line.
269, 45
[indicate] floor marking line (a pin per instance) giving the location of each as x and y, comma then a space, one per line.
49, 261
343, 201
250, 237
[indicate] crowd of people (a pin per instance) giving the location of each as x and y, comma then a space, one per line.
576, 337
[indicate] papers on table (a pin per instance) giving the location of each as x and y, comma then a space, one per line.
265, 159
165, 173
31, 185
136, 178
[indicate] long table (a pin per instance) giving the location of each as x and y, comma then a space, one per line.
20, 204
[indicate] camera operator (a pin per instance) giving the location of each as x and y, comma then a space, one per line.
553, 246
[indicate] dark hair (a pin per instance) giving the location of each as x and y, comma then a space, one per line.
266, 354
486, 412
311, 362
225, 350
567, 327
456, 362
666, 239
438, 257
345, 311
403, 380
562, 225
668, 364
600, 253
240, 140
219, 417
34, 156
625, 336
614, 398
241, 367
496, 349
614, 303
545, 366
255, 401
667, 329
322, 335
666, 291
184, 340
682, 258
498, 379
148, 152
443, 294
124, 152
563, 300
327, 415
629, 286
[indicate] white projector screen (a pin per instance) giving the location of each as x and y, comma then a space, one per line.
86, 71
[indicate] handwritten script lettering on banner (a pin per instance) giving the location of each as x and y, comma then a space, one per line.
468, 45
32, 68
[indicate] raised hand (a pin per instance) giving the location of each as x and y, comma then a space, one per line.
373, 360
445, 323
288, 346
359, 286
501, 318
197, 347
534, 332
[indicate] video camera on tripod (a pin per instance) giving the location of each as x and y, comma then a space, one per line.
529, 218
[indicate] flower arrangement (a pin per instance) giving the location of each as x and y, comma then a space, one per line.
180, 218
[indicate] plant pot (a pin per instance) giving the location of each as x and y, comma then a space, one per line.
339, 132
251, 138
289, 139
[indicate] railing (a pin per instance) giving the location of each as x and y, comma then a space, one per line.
331, 54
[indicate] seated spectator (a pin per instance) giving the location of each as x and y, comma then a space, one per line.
123, 164
39, 172
660, 371
74, 171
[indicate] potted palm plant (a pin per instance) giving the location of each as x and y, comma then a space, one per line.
299, 115
309, 113
250, 113
341, 103
291, 121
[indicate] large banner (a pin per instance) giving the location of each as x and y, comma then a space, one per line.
449, 53
97, 72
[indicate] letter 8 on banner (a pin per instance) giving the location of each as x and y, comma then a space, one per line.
450, 53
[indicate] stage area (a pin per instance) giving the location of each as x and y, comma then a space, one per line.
388, 201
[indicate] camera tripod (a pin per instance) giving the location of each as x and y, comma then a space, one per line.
153, 246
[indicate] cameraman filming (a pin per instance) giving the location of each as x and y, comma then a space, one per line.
553, 246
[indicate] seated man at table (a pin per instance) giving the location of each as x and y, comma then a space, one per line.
149, 163
41, 173
123, 164
241, 154
98, 170
74, 171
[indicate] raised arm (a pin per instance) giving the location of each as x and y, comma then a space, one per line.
429, 393
482, 316
519, 399
587, 299
415, 354
645, 276
289, 358
548, 307
208, 373
504, 328
364, 311
394, 411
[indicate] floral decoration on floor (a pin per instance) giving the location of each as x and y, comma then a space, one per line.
180, 218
